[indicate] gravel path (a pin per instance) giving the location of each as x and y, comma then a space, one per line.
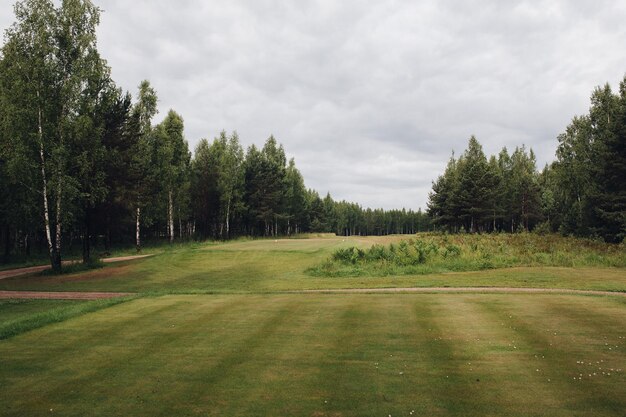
427, 290
46, 295
10, 273
62, 295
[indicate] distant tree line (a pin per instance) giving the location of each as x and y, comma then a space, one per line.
260, 193
81, 161
582, 193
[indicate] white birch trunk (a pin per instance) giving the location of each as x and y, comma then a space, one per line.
228, 219
57, 241
180, 226
171, 216
138, 229
44, 191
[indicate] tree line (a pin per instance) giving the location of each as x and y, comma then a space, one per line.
82, 161
581, 193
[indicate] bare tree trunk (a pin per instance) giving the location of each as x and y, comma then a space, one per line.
228, 220
138, 229
44, 191
56, 256
180, 226
171, 216
86, 241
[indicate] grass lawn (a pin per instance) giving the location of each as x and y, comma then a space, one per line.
11, 310
279, 265
211, 334
325, 355
18, 316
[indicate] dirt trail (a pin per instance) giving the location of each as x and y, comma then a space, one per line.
10, 273
479, 290
62, 295
48, 295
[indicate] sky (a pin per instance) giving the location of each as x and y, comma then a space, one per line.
369, 97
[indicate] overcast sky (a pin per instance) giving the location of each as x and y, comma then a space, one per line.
370, 97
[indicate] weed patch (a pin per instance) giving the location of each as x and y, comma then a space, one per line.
434, 253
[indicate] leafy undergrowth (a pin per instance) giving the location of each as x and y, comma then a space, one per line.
435, 253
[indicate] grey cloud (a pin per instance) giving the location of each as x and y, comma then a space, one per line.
369, 97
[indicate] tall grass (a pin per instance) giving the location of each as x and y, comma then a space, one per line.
433, 253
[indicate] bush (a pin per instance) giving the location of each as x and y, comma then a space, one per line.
432, 253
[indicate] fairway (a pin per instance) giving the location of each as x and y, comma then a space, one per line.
240, 328
270, 265
317, 355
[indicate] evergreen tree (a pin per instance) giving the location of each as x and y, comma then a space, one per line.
475, 185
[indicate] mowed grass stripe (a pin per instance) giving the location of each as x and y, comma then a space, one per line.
446, 381
314, 354
521, 383
348, 381
194, 368
276, 378
554, 329
98, 356
233, 383
381, 358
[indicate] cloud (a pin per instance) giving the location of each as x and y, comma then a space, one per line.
369, 97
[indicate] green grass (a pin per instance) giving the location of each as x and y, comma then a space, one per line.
278, 265
235, 345
19, 316
325, 355
436, 253
148, 247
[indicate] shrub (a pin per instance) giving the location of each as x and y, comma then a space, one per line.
430, 253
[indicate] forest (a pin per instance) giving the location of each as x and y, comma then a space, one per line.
582, 193
82, 163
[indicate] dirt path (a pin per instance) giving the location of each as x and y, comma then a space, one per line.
10, 273
62, 295
479, 290
45, 295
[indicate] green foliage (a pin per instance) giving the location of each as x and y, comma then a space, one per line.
465, 252
475, 194
589, 175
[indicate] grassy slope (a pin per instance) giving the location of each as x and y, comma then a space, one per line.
316, 355
268, 265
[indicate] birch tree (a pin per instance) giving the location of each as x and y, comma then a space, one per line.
230, 179
143, 112
173, 158
30, 76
